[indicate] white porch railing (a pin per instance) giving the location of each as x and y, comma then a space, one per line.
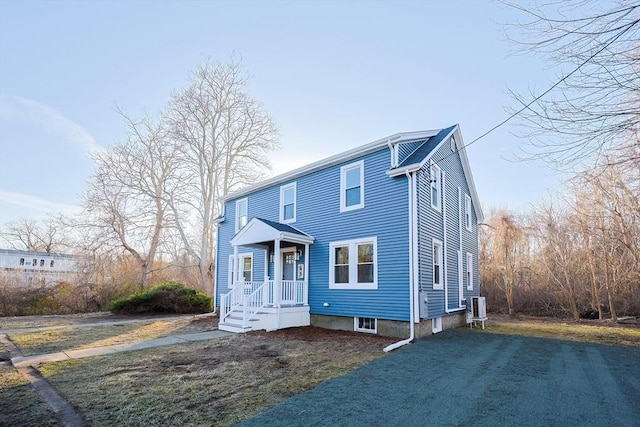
253, 296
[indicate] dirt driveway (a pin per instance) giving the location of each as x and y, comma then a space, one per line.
461, 378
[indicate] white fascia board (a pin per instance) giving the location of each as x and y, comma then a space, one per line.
469, 176
296, 238
332, 161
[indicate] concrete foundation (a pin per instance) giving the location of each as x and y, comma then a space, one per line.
389, 328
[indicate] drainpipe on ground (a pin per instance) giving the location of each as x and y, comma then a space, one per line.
410, 179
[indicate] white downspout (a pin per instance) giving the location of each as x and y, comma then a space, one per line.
410, 179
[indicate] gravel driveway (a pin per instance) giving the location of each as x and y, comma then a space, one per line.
468, 378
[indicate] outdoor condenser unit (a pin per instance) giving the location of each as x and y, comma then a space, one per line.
478, 308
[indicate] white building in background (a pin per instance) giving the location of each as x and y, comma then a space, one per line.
38, 268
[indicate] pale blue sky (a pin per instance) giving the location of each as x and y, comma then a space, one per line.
334, 75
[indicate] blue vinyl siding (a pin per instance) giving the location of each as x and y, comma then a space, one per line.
404, 150
385, 216
430, 225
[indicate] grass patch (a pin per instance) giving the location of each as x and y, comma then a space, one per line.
60, 339
19, 403
572, 332
19, 322
219, 382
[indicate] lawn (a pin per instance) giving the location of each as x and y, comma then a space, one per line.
218, 382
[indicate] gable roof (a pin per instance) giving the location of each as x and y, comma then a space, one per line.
372, 147
424, 153
258, 231
433, 140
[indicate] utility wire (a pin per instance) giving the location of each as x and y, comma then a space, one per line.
616, 37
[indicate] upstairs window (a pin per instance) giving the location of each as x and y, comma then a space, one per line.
41, 263
51, 264
21, 261
467, 212
353, 264
241, 214
35, 262
288, 203
436, 185
437, 265
352, 186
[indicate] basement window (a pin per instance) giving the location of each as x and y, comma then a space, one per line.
365, 324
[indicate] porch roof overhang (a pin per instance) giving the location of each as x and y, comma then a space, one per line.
261, 231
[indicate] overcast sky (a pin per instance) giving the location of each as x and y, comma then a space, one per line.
334, 75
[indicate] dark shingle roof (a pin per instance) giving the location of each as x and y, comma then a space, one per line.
425, 149
282, 227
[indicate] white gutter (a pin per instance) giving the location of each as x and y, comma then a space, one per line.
410, 181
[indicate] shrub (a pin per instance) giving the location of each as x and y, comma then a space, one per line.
169, 297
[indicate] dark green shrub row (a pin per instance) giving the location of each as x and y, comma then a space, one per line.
169, 297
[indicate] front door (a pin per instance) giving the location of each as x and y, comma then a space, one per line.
288, 276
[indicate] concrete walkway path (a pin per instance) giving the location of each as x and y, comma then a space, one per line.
20, 361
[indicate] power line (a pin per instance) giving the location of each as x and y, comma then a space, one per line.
616, 37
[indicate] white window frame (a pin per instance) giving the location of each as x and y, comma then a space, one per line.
469, 271
467, 212
437, 184
452, 143
357, 328
438, 286
232, 264
343, 186
238, 203
283, 190
353, 264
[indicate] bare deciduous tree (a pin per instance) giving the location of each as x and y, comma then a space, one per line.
125, 202
595, 106
223, 135
47, 236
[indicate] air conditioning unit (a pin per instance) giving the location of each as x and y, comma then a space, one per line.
478, 308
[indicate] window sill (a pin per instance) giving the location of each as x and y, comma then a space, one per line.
360, 286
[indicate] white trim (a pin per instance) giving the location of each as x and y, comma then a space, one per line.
352, 246
437, 184
240, 263
467, 212
335, 160
343, 186
237, 217
437, 286
436, 325
369, 331
469, 271
283, 189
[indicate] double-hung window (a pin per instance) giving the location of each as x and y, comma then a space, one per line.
288, 203
436, 185
241, 214
469, 271
467, 212
352, 186
353, 264
438, 280
245, 265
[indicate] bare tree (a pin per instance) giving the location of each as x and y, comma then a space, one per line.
125, 204
223, 135
595, 106
29, 234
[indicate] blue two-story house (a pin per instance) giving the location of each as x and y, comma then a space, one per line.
382, 238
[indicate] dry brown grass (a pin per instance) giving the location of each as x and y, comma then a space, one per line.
219, 382
546, 328
69, 338
19, 403
17, 322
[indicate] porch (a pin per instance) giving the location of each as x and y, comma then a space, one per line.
269, 304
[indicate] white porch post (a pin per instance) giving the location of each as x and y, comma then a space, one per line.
236, 267
277, 279
277, 273
305, 291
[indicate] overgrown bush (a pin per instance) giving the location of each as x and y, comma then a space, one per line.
169, 297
